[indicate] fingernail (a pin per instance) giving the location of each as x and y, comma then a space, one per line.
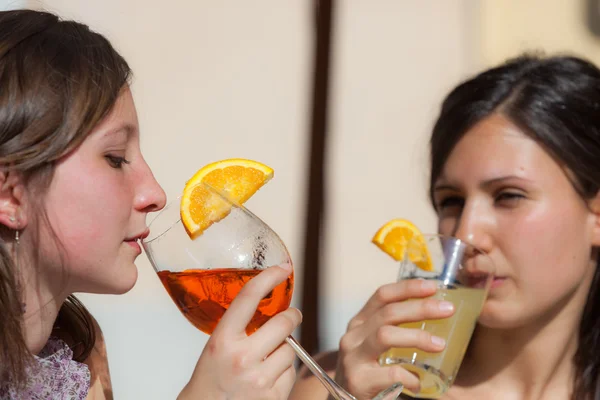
446, 306
428, 285
286, 266
300, 314
438, 341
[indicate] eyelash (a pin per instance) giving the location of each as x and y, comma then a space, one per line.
116, 161
453, 201
511, 196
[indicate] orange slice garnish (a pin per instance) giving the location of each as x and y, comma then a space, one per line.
393, 238
236, 178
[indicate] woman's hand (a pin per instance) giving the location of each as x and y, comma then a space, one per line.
374, 330
236, 366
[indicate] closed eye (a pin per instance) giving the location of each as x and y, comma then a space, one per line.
116, 161
450, 205
508, 199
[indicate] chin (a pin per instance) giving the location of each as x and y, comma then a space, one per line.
126, 281
120, 282
496, 315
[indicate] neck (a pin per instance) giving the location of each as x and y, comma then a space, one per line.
39, 320
43, 299
528, 360
531, 361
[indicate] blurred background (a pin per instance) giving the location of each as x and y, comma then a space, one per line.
337, 96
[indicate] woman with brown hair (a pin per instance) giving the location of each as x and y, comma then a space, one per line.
74, 194
515, 170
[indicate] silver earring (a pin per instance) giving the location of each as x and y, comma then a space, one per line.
16, 248
12, 219
16, 258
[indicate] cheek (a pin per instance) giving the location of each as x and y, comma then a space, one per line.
82, 234
88, 218
547, 248
546, 258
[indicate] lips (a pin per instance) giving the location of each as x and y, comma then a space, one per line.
135, 245
134, 240
476, 281
140, 236
498, 281
479, 280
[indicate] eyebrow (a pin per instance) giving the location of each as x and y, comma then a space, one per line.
485, 184
129, 129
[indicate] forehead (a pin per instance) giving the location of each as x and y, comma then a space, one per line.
124, 109
495, 147
122, 118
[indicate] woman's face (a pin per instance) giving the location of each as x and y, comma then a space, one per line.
502, 192
97, 204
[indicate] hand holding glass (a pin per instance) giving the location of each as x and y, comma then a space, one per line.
204, 275
463, 275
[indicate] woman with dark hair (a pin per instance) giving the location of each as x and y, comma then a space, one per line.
515, 170
74, 194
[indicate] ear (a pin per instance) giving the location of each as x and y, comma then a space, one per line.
12, 202
595, 207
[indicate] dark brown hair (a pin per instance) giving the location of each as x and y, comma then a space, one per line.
58, 80
555, 100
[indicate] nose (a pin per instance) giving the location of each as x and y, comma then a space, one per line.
150, 196
473, 226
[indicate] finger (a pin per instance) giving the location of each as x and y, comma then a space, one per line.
270, 336
376, 379
283, 385
397, 313
408, 311
277, 363
391, 293
389, 336
243, 307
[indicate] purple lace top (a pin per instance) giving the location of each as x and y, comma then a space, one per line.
55, 376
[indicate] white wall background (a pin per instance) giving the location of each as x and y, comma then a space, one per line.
394, 62
511, 26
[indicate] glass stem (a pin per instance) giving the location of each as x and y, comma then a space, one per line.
335, 390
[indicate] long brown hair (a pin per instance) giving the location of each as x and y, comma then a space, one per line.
556, 100
58, 80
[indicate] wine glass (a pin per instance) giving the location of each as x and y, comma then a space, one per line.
203, 275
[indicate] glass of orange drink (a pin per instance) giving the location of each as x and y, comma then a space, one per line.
206, 246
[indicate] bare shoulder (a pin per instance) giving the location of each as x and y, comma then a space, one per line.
307, 386
101, 387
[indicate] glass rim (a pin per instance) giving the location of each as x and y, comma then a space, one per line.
428, 237
150, 238
177, 220
415, 238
